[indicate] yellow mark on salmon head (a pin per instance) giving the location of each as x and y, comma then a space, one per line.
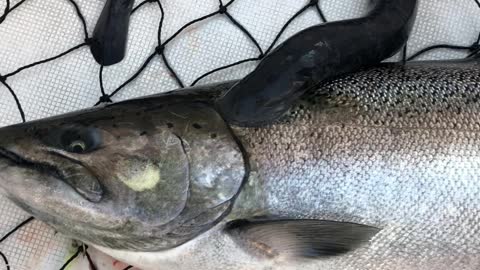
144, 179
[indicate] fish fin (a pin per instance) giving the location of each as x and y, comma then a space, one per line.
300, 238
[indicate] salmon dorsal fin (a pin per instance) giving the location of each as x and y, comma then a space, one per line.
300, 238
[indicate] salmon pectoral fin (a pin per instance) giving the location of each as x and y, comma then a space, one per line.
300, 238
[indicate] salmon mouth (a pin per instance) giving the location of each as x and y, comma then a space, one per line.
9, 158
14, 159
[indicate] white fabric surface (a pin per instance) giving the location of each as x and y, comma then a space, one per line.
43, 28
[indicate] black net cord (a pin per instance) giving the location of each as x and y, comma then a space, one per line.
15, 97
160, 24
18, 227
141, 5
17, 5
473, 48
8, 9
28, 220
5, 260
81, 17
104, 97
83, 249
5, 12
320, 13
45, 60
160, 50
90, 261
3, 78
70, 260
223, 10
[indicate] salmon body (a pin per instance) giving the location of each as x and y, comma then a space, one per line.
377, 170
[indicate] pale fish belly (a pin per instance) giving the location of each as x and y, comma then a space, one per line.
393, 147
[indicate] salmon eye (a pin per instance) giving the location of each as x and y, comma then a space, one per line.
74, 139
77, 147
